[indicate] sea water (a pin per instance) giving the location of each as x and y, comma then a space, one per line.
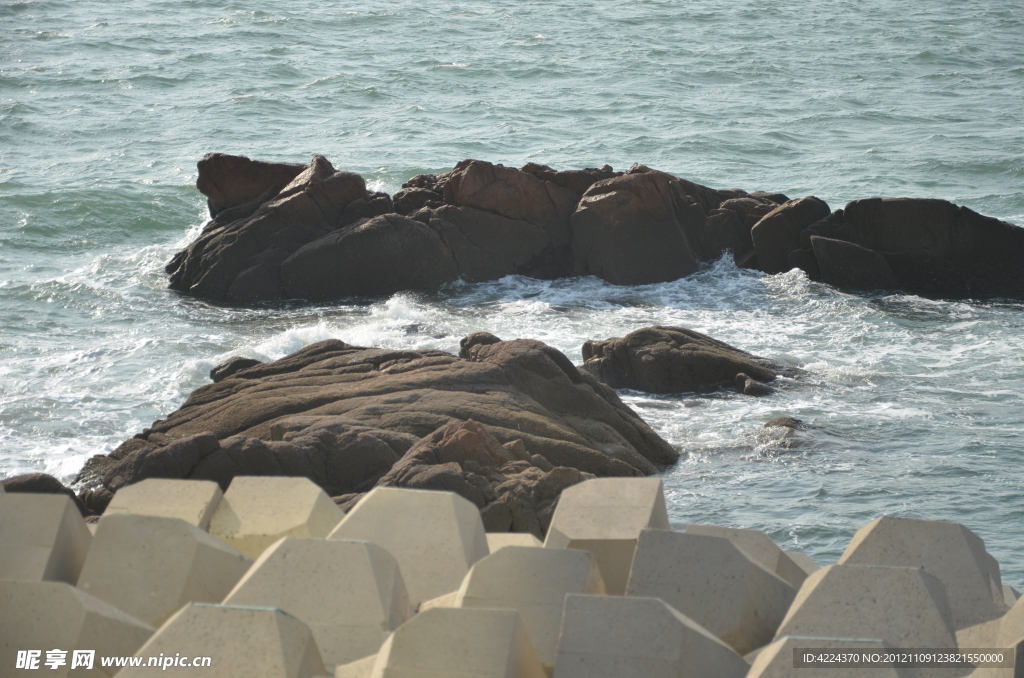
912, 406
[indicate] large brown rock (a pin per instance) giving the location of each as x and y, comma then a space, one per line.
343, 415
230, 180
778, 232
645, 227
674, 360
238, 256
935, 247
848, 265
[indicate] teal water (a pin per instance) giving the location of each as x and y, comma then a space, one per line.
914, 405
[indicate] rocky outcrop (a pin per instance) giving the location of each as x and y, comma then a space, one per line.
676, 360
283, 231
343, 416
646, 227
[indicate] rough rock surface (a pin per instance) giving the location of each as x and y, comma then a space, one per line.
778, 232
676, 360
343, 416
646, 227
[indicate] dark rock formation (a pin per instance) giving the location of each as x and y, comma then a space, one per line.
42, 483
778, 232
647, 226
233, 365
343, 416
675, 360
283, 231
514, 490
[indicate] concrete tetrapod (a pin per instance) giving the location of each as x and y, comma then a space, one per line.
904, 606
615, 637
239, 641
605, 516
150, 566
804, 562
256, 511
760, 548
714, 583
435, 536
1007, 632
948, 551
350, 593
534, 582
194, 501
459, 642
42, 538
776, 659
499, 540
42, 616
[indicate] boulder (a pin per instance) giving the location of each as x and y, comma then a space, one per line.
382, 255
778, 232
616, 637
237, 258
342, 416
236, 364
42, 538
671, 360
937, 248
606, 516
230, 180
849, 266
644, 227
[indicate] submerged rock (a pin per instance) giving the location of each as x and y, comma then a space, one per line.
346, 417
676, 360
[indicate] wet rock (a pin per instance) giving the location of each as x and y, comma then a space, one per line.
238, 256
645, 227
778, 232
233, 365
785, 422
343, 416
850, 266
672, 360
231, 180
935, 247
747, 385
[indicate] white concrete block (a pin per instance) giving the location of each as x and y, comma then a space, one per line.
459, 642
44, 616
605, 516
615, 637
759, 547
534, 582
194, 501
435, 536
804, 562
776, 659
361, 668
904, 606
714, 583
1010, 595
499, 540
42, 538
150, 566
256, 511
240, 642
349, 593
947, 551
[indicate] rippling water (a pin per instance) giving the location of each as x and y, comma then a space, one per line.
913, 406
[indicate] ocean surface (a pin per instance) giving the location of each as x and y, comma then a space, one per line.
913, 406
